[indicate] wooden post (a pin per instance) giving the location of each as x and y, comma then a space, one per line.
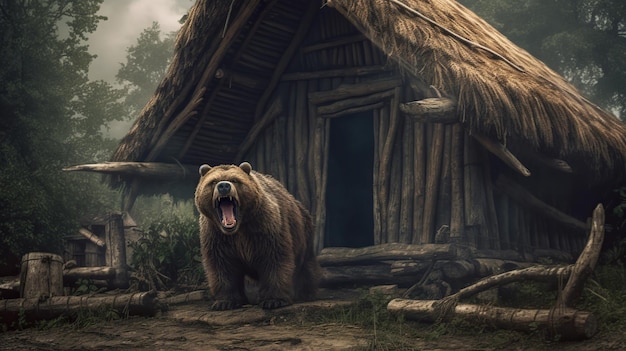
116, 249
41, 275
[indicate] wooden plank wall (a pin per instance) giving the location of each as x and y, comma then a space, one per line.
426, 176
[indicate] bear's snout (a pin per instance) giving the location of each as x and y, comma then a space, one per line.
223, 188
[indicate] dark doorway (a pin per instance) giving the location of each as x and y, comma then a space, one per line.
349, 188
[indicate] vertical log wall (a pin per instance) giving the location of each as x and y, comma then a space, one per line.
428, 178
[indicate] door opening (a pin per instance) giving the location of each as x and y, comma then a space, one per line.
349, 187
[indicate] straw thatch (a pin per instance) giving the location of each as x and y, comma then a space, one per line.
501, 90
514, 97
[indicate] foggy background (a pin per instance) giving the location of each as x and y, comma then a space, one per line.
126, 20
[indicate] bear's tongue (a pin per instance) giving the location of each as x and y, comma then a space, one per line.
228, 215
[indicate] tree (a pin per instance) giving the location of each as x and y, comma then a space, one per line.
49, 120
584, 40
146, 64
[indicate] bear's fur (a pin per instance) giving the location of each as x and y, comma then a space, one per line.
250, 225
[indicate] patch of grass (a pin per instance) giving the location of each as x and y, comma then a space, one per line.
604, 295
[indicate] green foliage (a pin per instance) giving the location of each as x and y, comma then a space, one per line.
584, 40
167, 254
86, 287
146, 64
605, 296
52, 117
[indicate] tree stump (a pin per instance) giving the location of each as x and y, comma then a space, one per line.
41, 275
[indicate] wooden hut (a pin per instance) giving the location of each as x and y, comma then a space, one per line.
393, 121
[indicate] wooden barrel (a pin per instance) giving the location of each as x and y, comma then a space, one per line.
41, 275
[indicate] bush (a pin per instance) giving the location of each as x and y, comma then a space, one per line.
167, 255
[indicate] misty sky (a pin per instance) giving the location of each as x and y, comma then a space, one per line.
126, 20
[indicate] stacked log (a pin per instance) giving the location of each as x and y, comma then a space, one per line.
34, 309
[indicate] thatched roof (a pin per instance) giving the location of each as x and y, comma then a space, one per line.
501, 90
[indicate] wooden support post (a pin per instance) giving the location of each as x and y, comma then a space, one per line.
41, 275
116, 249
502, 153
522, 196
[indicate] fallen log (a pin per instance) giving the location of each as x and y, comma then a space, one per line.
34, 309
198, 295
92, 237
335, 256
70, 276
568, 324
378, 274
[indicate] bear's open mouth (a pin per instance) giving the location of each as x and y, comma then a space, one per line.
227, 211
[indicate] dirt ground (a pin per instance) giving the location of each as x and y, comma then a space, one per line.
191, 326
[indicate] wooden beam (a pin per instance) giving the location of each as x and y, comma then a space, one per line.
298, 37
270, 115
233, 30
354, 102
357, 109
332, 73
91, 237
502, 153
522, 196
553, 163
351, 90
354, 38
245, 80
142, 169
332, 256
432, 110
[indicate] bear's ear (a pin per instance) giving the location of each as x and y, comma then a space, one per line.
247, 167
204, 169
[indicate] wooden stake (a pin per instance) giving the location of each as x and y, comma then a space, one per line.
587, 260
433, 174
457, 216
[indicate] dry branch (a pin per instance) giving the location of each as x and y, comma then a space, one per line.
538, 272
586, 261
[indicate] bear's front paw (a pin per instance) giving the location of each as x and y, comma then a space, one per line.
272, 303
222, 305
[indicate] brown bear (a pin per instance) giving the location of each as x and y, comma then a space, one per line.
250, 225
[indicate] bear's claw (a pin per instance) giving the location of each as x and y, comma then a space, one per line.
272, 303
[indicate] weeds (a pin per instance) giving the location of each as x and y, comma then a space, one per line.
167, 255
